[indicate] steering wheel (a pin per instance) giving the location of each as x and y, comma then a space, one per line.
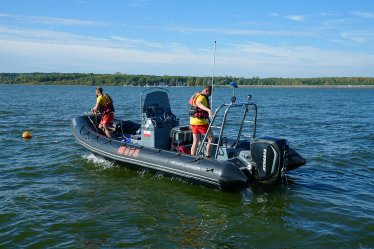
150, 112
169, 117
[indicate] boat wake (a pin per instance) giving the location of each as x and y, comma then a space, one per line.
100, 162
247, 195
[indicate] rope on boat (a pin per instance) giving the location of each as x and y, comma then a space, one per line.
152, 152
196, 159
94, 125
178, 155
84, 127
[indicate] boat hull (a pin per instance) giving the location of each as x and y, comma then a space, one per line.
214, 173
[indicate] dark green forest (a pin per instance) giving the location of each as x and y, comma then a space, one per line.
119, 79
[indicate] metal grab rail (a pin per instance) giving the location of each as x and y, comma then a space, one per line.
227, 108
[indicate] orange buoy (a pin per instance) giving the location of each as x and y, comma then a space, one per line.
26, 135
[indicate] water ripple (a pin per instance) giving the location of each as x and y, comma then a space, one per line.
55, 194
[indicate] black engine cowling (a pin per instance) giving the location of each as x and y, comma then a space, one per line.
269, 156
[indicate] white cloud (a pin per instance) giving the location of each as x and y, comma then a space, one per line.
53, 20
295, 61
244, 59
136, 42
58, 57
44, 36
228, 31
335, 23
364, 14
29, 50
4, 15
138, 3
63, 21
295, 18
359, 37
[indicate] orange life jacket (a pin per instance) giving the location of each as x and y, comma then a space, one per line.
195, 111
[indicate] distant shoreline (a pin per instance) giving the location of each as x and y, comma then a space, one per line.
218, 86
306, 86
118, 79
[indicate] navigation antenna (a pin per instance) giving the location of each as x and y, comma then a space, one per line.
214, 67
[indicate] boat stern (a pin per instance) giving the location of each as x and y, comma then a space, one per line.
232, 177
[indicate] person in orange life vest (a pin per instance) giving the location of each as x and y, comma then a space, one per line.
199, 113
104, 105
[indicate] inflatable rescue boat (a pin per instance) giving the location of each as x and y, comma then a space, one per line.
159, 143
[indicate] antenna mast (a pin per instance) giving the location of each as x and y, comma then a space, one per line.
214, 67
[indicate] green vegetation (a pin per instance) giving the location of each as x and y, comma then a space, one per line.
150, 80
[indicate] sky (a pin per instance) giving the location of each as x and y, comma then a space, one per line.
240, 38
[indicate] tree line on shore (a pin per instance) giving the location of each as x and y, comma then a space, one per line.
119, 79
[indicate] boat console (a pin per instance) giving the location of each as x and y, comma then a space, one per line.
157, 119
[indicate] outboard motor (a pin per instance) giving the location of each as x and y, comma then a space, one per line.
269, 157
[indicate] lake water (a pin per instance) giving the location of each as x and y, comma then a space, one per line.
55, 194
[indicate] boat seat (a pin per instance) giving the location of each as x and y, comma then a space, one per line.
127, 127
